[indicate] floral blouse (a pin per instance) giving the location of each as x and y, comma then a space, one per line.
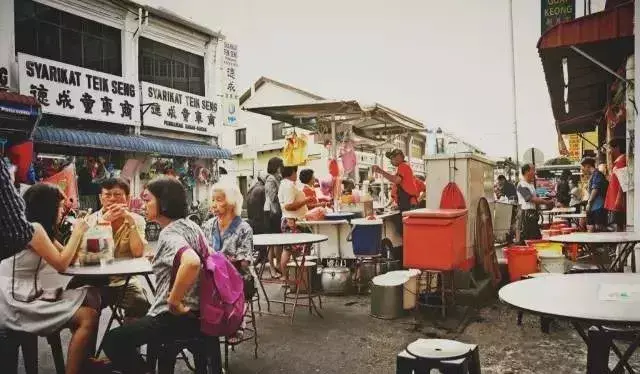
176, 235
236, 242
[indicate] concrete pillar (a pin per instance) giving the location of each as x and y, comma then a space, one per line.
636, 148
8, 64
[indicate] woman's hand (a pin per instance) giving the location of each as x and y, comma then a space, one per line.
178, 308
80, 226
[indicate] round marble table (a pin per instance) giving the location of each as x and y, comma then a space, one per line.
625, 241
287, 239
585, 300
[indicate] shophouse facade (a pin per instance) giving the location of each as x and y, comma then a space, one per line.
125, 89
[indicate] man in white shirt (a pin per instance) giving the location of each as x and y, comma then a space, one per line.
528, 200
294, 207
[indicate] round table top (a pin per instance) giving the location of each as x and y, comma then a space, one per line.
602, 297
559, 210
128, 266
572, 215
597, 237
287, 239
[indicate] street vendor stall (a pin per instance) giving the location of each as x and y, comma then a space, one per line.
375, 128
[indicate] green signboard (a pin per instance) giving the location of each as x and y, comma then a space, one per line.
554, 12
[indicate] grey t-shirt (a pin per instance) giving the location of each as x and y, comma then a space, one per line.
176, 235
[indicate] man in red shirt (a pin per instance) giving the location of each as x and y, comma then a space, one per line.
403, 180
615, 200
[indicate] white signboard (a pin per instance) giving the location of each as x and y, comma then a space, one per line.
72, 91
4, 77
230, 97
170, 109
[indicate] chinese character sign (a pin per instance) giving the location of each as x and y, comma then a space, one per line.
171, 109
72, 91
554, 12
230, 92
4, 77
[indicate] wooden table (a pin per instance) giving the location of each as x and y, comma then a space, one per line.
585, 300
288, 239
126, 268
625, 241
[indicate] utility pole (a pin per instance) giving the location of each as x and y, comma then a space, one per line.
513, 87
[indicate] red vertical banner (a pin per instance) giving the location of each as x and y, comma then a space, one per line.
66, 180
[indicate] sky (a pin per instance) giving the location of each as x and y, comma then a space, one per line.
445, 63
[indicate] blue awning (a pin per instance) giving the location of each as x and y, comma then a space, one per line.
127, 143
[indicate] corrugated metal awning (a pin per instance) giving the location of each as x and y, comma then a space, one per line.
128, 143
607, 37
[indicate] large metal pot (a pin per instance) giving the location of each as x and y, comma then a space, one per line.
387, 296
335, 280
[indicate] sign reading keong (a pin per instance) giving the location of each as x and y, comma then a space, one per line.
171, 109
72, 91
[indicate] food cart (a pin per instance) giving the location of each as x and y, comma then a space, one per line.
374, 128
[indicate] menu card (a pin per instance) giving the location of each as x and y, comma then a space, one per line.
619, 292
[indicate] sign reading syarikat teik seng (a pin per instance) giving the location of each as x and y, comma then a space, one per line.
175, 110
72, 91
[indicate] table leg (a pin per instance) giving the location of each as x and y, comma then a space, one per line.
626, 250
595, 256
259, 275
623, 358
114, 313
150, 284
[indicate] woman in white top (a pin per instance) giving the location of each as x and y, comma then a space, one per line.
576, 195
294, 207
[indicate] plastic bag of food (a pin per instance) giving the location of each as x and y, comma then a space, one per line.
98, 245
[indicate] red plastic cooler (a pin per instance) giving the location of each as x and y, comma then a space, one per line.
434, 239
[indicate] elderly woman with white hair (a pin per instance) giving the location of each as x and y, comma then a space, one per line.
228, 233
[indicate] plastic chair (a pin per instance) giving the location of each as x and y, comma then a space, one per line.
11, 341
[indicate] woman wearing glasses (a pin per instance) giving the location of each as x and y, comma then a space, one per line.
28, 305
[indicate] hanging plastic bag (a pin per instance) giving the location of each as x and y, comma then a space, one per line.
334, 168
295, 150
348, 155
452, 197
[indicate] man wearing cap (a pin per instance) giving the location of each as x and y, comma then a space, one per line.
403, 180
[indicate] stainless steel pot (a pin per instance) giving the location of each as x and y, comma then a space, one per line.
387, 296
336, 280
367, 270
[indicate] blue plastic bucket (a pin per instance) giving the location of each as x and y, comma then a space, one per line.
366, 236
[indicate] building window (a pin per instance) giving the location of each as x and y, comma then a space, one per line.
241, 136
417, 149
277, 131
170, 67
50, 33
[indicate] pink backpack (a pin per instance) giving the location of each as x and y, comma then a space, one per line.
221, 292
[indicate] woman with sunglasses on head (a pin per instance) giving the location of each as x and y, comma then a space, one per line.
174, 313
26, 304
